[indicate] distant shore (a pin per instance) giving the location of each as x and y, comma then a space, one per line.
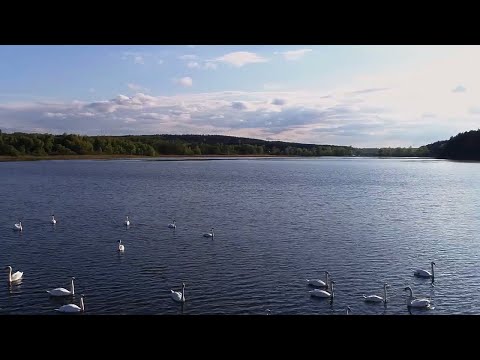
130, 157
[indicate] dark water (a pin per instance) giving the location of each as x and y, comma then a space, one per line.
277, 222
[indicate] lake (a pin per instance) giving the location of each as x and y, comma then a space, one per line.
277, 222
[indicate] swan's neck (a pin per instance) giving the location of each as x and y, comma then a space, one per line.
72, 288
332, 293
326, 279
183, 293
82, 307
433, 272
411, 293
385, 294
9, 274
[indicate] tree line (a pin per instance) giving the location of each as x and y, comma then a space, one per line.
21, 144
462, 146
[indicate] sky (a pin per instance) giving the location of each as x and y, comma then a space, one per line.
362, 96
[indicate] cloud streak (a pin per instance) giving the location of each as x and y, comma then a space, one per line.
240, 58
184, 81
294, 55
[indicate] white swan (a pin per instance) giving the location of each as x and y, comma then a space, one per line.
417, 303
13, 277
72, 308
127, 222
323, 293
318, 282
425, 273
179, 296
53, 221
209, 234
172, 225
63, 291
376, 298
121, 248
18, 226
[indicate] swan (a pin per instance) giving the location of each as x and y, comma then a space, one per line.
53, 221
63, 291
376, 298
417, 303
127, 222
72, 308
319, 283
348, 310
179, 296
15, 277
323, 293
209, 234
172, 225
121, 248
425, 273
18, 226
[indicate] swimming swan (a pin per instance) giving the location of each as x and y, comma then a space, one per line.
172, 225
13, 277
18, 226
318, 282
127, 222
323, 293
63, 291
376, 298
72, 308
209, 234
121, 248
53, 221
179, 296
425, 273
416, 303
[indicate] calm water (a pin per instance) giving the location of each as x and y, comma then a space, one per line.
277, 222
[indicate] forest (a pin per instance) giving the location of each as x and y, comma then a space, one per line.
21, 144
464, 146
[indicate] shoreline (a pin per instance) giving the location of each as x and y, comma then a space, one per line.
4, 158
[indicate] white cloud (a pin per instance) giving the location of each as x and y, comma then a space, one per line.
459, 88
293, 55
241, 58
184, 81
193, 64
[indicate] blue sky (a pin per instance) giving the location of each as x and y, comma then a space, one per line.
345, 95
